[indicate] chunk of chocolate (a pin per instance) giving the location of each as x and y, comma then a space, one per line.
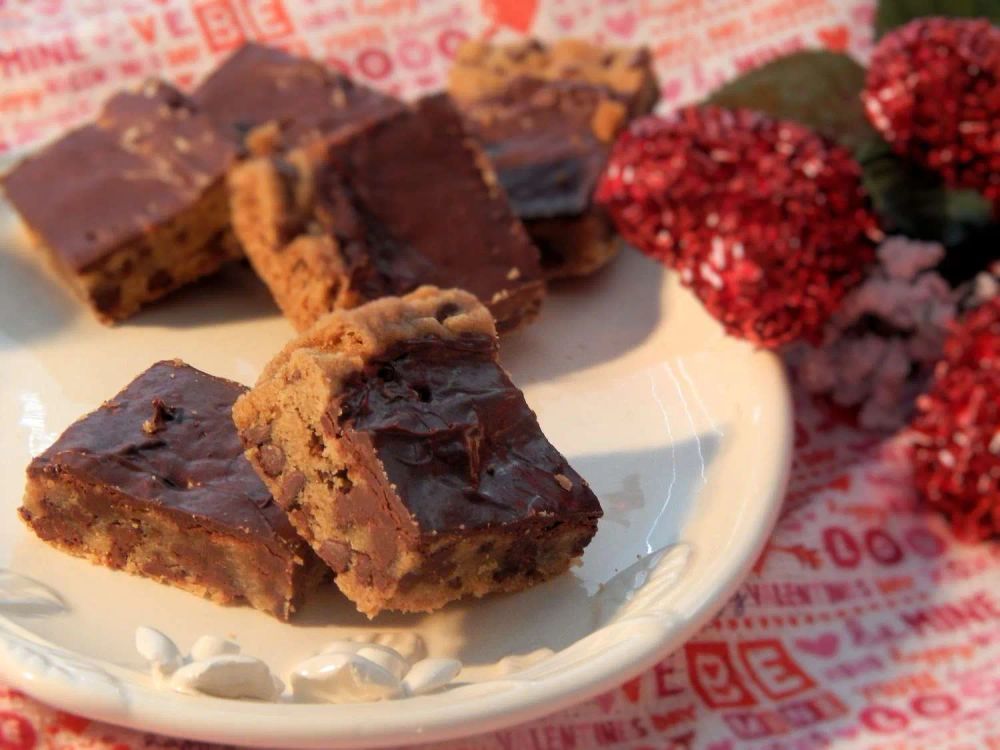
155, 483
380, 210
133, 205
422, 475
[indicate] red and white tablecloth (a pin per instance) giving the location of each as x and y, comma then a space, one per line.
865, 625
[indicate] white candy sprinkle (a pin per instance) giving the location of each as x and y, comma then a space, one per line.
709, 274
210, 645
156, 648
717, 256
342, 678
228, 676
995, 443
408, 645
429, 675
387, 658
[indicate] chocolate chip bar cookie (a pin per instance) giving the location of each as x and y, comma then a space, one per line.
547, 117
155, 483
405, 456
381, 209
133, 205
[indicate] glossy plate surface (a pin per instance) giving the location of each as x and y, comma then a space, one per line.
685, 436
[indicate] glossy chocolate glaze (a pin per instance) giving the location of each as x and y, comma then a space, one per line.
539, 137
147, 157
259, 84
406, 200
168, 440
457, 439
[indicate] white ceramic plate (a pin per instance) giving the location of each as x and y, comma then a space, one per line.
683, 434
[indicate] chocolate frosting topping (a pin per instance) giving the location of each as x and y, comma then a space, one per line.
148, 156
540, 137
168, 440
406, 201
259, 84
457, 439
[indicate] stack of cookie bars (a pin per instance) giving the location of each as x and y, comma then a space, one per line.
384, 446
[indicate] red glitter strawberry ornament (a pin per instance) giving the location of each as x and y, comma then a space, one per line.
933, 92
956, 433
765, 220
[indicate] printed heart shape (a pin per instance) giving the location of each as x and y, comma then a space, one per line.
565, 21
834, 38
622, 25
605, 701
842, 483
516, 14
631, 689
671, 89
825, 645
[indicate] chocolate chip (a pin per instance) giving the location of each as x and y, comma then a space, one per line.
259, 433
106, 298
326, 422
161, 279
291, 486
446, 311
161, 415
336, 554
364, 570
272, 459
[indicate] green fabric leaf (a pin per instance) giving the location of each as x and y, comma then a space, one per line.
822, 90
893, 13
914, 201
816, 88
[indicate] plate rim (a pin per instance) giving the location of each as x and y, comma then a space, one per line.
143, 708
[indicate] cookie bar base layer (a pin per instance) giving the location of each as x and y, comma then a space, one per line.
108, 530
381, 209
399, 541
507, 560
174, 254
574, 246
483, 68
306, 275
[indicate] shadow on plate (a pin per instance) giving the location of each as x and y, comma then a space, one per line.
233, 294
585, 322
33, 304
559, 612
